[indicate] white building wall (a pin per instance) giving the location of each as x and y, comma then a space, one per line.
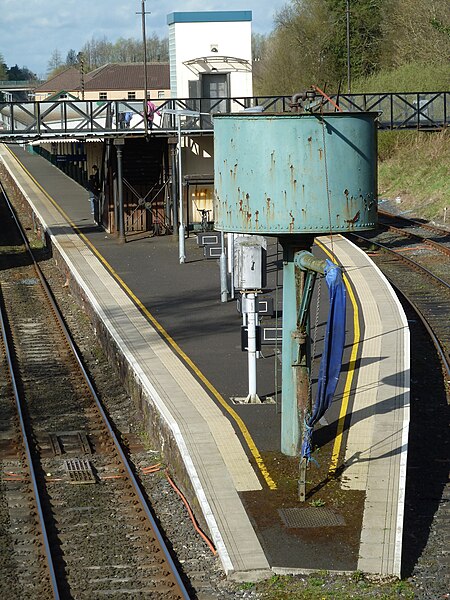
191, 40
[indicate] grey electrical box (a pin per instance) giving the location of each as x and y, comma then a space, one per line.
250, 259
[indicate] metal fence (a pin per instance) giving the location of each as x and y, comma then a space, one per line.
80, 119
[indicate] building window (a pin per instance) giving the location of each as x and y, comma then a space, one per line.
103, 96
160, 93
131, 95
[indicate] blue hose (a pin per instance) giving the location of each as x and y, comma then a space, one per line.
330, 365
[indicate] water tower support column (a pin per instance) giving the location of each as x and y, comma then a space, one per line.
294, 394
299, 272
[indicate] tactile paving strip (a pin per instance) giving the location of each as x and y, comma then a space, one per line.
79, 470
312, 516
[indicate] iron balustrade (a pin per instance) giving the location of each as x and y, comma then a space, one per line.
81, 119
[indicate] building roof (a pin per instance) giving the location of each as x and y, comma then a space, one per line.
128, 76
112, 76
69, 79
209, 16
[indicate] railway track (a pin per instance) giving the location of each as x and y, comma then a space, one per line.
420, 274
74, 522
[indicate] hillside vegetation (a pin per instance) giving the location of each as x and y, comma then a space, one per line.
414, 166
395, 46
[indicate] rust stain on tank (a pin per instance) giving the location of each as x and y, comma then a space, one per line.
272, 160
293, 179
320, 153
354, 220
291, 224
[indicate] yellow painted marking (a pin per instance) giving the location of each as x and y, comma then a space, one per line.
351, 369
245, 432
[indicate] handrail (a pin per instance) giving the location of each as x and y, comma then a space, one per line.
81, 119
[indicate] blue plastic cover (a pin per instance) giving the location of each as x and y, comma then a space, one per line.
330, 365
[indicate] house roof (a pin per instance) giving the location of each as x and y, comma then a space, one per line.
112, 76
128, 76
67, 80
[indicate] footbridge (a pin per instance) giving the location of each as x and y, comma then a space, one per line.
84, 119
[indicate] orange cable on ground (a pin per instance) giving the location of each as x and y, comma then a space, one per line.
327, 97
196, 527
151, 469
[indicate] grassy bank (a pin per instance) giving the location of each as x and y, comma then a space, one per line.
415, 166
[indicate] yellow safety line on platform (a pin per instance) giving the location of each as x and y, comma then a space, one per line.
351, 369
245, 432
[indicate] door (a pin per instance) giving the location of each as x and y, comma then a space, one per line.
214, 86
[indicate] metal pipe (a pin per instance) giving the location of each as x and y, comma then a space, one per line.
223, 270
306, 261
120, 193
182, 252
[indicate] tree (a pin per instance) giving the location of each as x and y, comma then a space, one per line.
71, 58
20, 74
55, 63
418, 31
365, 37
259, 46
296, 55
3, 69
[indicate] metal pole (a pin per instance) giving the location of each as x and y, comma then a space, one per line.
81, 61
120, 193
182, 253
223, 270
173, 153
348, 46
251, 349
116, 204
295, 376
144, 41
231, 263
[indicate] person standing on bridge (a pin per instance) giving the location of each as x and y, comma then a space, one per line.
93, 187
151, 110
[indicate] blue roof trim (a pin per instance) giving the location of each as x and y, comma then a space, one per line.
209, 16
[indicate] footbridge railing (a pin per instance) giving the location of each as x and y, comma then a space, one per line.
81, 119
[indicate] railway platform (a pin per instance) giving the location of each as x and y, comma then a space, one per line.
181, 348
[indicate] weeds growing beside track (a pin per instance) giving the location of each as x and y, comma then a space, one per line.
327, 586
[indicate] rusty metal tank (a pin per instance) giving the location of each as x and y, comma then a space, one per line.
278, 174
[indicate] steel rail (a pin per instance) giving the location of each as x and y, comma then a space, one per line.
434, 228
425, 322
423, 240
48, 552
118, 447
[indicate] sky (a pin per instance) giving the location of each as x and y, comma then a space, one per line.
31, 30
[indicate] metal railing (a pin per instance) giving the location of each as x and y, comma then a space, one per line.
81, 119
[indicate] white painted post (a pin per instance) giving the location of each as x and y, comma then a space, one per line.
182, 253
251, 328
